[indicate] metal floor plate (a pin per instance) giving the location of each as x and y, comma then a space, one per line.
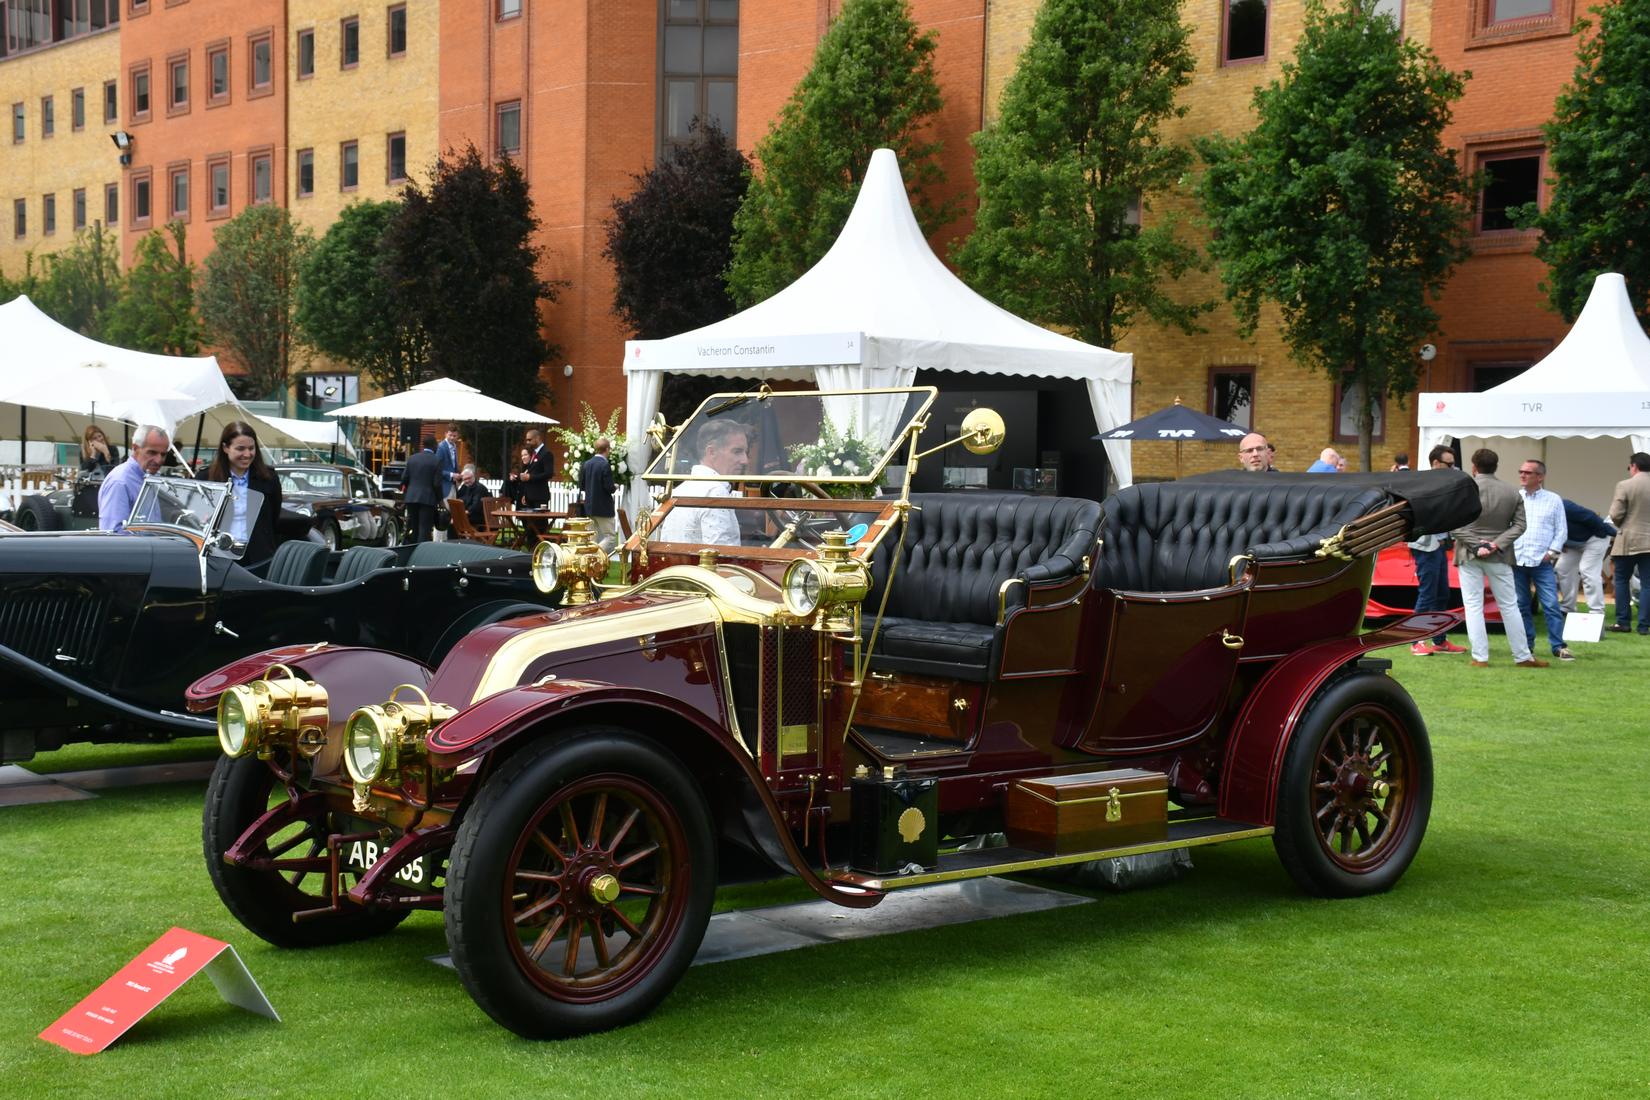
746, 933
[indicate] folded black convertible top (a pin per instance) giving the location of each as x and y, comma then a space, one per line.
1439, 500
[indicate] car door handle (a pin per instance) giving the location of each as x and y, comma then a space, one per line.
219, 628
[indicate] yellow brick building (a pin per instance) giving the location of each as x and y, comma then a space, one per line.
59, 180
379, 109
1294, 406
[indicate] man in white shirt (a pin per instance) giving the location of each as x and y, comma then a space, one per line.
724, 450
1541, 544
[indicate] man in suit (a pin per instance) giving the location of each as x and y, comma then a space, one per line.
535, 490
447, 458
1484, 552
421, 491
596, 482
1630, 512
472, 492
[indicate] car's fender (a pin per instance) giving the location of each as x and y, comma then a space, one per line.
1254, 751
353, 675
521, 711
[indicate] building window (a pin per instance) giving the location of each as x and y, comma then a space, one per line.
1502, 11
1346, 415
321, 392
48, 117
1392, 9
140, 199
78, 204
178, 187
217, 186
140, 92
48, 214
1511, 179
111, 204
699, 66
306, 172
217, 74
28, 24
509, 9
349, 166
261, 69
395, 158
397, 44
111, 101
1245, 33
140, 7
20, 218
262, 166
508, 131
306, 54
349, 48
177, 84
77, 110
1232, 395
19, 123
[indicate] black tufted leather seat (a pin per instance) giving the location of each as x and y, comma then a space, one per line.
959, 549
358, 561
298, 563
1180, 537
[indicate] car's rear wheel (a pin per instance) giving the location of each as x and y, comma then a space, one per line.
580, 884
331, 537
392, 533
265, 899
1356, 790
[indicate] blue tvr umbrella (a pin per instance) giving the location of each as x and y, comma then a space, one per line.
1176, 423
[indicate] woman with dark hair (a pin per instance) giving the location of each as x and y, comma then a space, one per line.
96, 452
240, 463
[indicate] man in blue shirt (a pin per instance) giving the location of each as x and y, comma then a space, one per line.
446, 457
1545, 532
120, 487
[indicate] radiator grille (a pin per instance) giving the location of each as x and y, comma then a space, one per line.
47, 626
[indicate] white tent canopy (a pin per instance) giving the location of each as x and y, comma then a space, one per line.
443, 399
874, 310
39, 350
1582, 410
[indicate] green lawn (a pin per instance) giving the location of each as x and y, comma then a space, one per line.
1511, 961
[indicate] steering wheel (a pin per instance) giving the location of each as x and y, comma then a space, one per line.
189, 521
804, 528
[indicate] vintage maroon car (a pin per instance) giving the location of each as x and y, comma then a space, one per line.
846, 689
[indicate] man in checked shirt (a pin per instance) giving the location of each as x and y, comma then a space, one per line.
1541, 545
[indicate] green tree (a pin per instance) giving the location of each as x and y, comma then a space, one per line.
248, 294
671, 239
1598, 148
872, 85
156, 309
460, 260
28, 282
1067, 173
1342, 205
83, 281
347, 308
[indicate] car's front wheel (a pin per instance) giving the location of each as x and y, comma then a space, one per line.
331, 537
293, 878
392, 533
1356, 790
580, 884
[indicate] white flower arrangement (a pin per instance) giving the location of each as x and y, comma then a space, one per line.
581, 444
837, 454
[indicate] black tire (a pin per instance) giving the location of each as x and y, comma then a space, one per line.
515, 898
331, 537
37, 514
1356, 791
264, 901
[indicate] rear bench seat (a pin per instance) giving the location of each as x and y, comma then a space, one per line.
959, 549
1181, 536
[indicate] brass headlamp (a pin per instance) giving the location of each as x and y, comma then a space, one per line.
573, 565
834, 581
254, 717
377, 738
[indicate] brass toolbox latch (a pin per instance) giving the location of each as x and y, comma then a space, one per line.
1114, 805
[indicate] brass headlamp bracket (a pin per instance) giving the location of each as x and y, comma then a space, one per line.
288, 710
401, 729
583, 562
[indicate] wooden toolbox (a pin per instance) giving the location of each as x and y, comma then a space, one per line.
1086, 812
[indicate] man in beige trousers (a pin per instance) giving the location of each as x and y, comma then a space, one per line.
1483, 552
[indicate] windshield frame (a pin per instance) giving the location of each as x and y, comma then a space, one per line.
216, 491
891, 452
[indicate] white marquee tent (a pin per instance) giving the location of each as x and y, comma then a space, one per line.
36, 347
1582, 410
874, 310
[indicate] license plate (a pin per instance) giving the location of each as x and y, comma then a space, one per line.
359, 855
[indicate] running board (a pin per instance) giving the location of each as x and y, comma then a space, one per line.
980, 862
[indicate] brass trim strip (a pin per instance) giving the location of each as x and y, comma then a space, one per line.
904, 881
